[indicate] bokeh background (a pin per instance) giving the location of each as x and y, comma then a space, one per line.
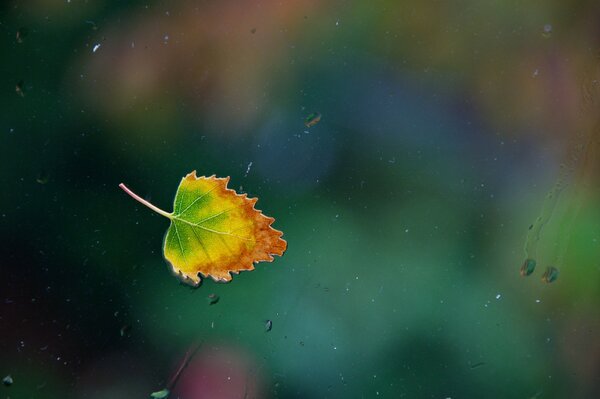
444, 125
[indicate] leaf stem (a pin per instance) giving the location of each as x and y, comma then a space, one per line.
143, 201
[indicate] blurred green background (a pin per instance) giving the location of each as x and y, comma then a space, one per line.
444, 125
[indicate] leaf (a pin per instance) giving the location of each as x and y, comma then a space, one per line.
214, 231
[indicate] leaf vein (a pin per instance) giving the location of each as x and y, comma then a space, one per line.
218, 214
214, 231
180, 201
198, 199
202, 245
180, 245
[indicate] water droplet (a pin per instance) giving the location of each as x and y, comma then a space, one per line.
547, 31
42, 177
550, 275
312, 119
7, 381
21, 34
125, 330
212, 299
528, 267
20, 88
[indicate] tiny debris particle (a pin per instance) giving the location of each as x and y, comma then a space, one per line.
253, 30
21, 34
94, 26
20, 88
96, 47
125, 330
248, 169
212, 299
268, 325
162, 394
550, 275
42, 177
477, 365
312, 119
7, 381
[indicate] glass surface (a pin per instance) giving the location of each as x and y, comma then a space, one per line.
433, 166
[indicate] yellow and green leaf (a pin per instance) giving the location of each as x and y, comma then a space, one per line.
214, 231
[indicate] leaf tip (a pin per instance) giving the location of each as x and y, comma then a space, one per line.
191, 175
190, 279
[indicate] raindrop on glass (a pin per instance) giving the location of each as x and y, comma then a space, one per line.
312, 119
550, 275
21, 34
547, 31
7, 381
212, 299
